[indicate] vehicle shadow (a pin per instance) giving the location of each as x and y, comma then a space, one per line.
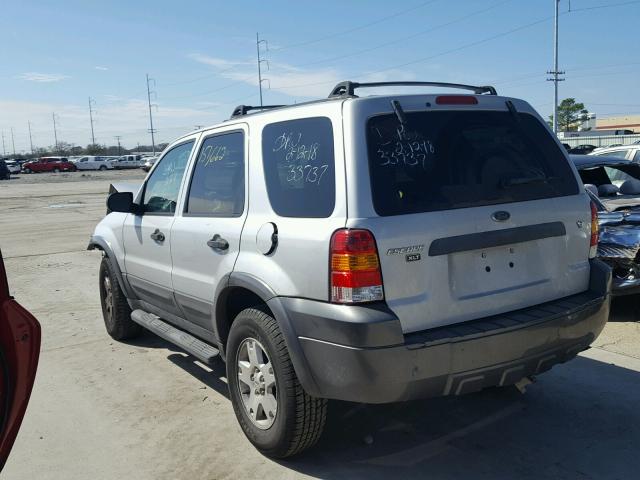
211, 375
578, 421
625, 309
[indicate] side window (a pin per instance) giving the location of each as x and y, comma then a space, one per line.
299, 167
163, 186
614, 154
217, 183
636, 157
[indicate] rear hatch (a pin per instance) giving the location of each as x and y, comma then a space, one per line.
475, 208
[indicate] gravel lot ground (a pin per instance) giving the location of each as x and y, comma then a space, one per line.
145, 410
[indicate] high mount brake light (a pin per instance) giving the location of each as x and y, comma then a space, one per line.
355, 268
456, 100
593, 244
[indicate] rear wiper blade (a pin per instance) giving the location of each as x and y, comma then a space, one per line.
510, 182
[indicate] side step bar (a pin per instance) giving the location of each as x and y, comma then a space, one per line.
202, 351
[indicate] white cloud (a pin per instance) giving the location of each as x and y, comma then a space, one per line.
218, 62
42, 77
101, 68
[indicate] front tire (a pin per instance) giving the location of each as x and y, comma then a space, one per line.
275, 413
56, 170
115, 309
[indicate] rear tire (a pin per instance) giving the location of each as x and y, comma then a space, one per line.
56, 170
299, 419
102, 168
27, 170
115, 309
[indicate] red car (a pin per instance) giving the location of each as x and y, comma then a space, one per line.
19, 352
49, 164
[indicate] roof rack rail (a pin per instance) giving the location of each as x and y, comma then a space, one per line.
241, 110
347, 89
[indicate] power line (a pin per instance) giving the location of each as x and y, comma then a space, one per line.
555, 72
55, 131
118, 137
151, 130
30, 138
93, 138
260, 61
408, 37
355, 29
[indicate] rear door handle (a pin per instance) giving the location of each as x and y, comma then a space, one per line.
218, 243
157, 235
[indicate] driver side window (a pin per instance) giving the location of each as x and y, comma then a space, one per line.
163, 186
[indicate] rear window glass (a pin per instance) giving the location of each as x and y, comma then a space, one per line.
299, 167
456, 159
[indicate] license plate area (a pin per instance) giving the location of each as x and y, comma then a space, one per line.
495, 270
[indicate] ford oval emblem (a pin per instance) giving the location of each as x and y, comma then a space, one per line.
500, 216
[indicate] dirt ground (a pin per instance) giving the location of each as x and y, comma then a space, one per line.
145, 410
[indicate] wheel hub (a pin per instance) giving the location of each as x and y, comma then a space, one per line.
257, 383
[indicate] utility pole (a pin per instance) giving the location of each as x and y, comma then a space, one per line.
151, 130
260, 60
93, 138
555, 72
13, 143
55, 131
30, 139
117, 137
4, 150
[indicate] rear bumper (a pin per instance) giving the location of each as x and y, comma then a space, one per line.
358, 353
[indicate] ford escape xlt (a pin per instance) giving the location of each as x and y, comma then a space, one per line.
373, 249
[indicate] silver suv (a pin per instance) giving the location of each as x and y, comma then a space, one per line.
373, 249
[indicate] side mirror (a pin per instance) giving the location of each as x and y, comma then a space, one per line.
120, 202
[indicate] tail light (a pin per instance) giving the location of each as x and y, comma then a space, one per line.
593, 245
355, 267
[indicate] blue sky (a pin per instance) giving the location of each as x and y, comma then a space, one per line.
202, 56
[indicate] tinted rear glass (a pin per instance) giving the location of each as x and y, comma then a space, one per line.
299, 167
456, 159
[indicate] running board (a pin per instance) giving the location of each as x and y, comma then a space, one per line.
199, 349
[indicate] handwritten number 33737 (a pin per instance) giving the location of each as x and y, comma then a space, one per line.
309, 173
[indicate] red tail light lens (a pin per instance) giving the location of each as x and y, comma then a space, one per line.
593, 245
355, 268
456, 100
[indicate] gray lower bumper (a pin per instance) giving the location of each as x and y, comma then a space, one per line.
359, 353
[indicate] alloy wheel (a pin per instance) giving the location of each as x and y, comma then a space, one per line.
257, 383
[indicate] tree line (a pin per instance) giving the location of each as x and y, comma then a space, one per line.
70, 150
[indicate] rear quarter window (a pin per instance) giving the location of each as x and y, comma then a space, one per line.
299, 166
443, 160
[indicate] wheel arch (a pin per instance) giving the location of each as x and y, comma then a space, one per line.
99, 243
242, 291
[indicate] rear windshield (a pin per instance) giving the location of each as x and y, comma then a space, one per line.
456, 159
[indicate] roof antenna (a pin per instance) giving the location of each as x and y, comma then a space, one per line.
397, 109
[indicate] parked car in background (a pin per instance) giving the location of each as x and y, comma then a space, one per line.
626, 152
614, 185
5, 174
94, 163
582, 149
13, 166
49, 164
376, 249
19, 352
148, 163
128, 161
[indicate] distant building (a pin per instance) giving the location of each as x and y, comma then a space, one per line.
624, 122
